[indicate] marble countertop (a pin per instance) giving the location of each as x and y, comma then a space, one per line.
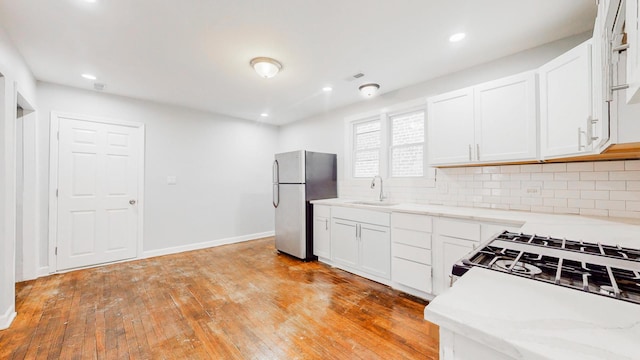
528, 319
616, 231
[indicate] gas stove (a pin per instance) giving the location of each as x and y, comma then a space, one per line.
594, 268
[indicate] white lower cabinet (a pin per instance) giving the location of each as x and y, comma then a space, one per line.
322, 231
454, 239
361, 241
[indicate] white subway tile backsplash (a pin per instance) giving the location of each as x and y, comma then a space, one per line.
632, 165
595, 195
625, 175
531, 168
541, 176
611, 185
608, 166
554, 167
594, 212
610, 204
581, 203
582, 185
610, 188
625, 195
567, 194
580, 166
567, 176
599, 175
555, 185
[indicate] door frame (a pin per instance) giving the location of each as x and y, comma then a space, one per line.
53, 179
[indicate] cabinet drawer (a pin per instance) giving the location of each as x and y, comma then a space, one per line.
411, 237
359, 215
411, 274
322, 210
406, 252
411, 222
459, 229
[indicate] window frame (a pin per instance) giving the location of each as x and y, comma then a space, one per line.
380, 149
391, 147
384, 115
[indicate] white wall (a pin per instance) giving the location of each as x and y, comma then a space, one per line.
16, 78
222, 165
326, 132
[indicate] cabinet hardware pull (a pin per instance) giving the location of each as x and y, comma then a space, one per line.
478, 152
470, 152
580, 146
326, 224
620, 48
619, 87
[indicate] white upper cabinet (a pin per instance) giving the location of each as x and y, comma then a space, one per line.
490, 122
451, 130
633, 53
566, 103
505, 119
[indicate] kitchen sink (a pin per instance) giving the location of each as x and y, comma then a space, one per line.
373, 203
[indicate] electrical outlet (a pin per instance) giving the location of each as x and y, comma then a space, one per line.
532, 191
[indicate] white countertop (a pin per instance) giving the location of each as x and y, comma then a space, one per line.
528, 319
617, 231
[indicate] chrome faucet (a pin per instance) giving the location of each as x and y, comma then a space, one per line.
373, 186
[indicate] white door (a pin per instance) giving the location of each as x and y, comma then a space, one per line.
321, 237
565, 102
450, 124
98, 173
449, 251
505, 115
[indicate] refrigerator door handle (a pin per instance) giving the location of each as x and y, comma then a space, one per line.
276, 171
276, 195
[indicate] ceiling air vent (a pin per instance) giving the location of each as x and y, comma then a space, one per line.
353, 77
98, 86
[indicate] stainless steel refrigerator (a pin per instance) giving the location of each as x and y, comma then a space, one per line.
299, 177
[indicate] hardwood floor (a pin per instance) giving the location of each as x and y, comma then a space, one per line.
240, 301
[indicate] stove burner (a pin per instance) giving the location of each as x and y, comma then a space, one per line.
595, 268
518, 267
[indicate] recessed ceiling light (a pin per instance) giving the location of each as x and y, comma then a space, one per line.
264, 115
457, 37
89, 76
327, 89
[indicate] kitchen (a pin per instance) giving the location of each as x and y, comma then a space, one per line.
181, 211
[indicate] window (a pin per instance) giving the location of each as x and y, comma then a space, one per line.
390, 144
367, 141
407, 144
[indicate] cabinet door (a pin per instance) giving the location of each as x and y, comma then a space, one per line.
450, 124
448, 251
505, 118
344, 242
632, 24
321, 237
375, 250
565, 102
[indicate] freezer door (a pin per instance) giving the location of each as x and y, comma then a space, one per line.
290, 168
290, 221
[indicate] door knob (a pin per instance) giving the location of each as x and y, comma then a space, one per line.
132, 202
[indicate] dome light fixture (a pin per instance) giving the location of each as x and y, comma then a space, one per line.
266, 67
457, 37
368, 90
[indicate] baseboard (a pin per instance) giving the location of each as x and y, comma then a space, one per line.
7, 318
206, 244
43, 271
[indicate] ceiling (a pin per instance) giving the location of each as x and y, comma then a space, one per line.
196, 53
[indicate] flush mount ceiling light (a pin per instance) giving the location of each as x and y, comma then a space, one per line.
457, 37
327, 89
368, 90
89, 76
266, 67
264, 115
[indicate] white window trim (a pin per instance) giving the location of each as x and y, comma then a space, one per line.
429, 176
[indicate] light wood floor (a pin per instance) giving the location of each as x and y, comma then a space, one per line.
241, 301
